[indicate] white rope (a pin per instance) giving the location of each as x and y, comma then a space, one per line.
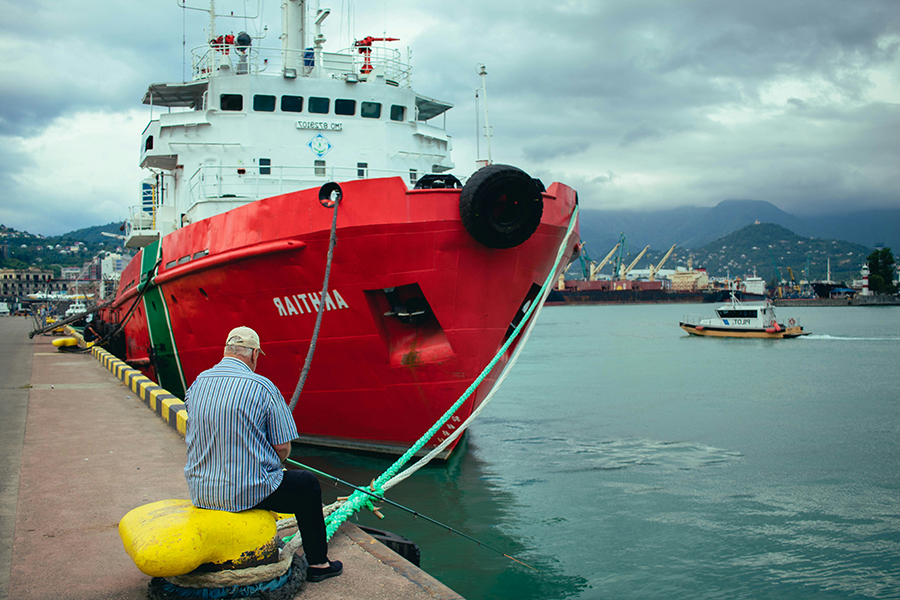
506, 370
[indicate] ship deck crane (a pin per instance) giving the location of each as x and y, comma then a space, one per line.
596, 268
655, 270
589, 268
634, 262
585, 260
619, 262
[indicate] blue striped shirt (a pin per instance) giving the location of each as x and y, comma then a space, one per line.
235, 417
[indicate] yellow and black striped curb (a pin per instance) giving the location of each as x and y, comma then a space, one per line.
166, 405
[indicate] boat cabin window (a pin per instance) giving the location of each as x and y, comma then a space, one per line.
292, 104
371, 110
231, 102
318, 105
398, 113
361, 170
413, 176
737, 314
320, 168
263, 103
345, 107
264, 166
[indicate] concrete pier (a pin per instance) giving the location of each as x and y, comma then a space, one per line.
79, 449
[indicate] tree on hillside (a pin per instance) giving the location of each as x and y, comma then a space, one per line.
881, 272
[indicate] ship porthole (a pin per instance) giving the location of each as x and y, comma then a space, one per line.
501, 206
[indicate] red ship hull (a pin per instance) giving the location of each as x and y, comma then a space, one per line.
379, 379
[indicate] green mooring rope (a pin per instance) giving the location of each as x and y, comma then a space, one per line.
358, 500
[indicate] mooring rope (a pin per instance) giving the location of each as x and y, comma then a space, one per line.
541, 298
315, 336
358, 500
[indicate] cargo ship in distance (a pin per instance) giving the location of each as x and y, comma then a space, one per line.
683, 285
430, 273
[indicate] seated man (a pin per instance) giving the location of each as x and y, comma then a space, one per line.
239, 431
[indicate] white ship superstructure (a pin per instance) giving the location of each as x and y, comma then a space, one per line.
256, 122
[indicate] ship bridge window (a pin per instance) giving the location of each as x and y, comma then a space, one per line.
264, 103
292, 104
149, 144
737, 314
319, 105
231, 102
398, 113
370, 110
345, 107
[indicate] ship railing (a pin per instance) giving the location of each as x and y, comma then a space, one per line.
690, 319
243, 182
227, 59
141, 219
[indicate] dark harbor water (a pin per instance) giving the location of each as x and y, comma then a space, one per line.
625, 459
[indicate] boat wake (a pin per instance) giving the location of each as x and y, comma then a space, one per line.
851, 339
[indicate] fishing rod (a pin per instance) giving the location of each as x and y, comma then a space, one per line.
404, 508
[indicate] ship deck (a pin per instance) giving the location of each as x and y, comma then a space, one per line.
79, 450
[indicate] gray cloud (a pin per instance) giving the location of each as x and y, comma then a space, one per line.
687, 103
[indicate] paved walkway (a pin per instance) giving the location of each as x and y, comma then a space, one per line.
78, 450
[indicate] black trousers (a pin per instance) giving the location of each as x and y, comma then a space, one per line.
301, 494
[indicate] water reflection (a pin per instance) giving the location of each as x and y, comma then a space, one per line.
463, 493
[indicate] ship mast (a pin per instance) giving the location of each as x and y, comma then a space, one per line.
293, 35
487, 126
212, 20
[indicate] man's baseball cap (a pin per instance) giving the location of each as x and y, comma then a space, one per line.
245, 337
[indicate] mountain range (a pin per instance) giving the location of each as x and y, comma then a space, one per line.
692, 227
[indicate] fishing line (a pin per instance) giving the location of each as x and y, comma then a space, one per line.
415, 513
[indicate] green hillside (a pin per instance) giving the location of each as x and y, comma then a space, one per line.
755, 246
20, 249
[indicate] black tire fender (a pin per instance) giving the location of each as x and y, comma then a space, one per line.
501, 206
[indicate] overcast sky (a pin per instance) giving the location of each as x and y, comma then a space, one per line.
637, 104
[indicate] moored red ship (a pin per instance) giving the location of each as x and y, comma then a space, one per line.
429, 276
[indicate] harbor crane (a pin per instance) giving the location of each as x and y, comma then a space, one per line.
589, 268
775, 264
655, 270
634, 262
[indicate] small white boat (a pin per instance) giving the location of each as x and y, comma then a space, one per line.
743, 320
76, 308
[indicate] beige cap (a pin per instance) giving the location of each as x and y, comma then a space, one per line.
245, 337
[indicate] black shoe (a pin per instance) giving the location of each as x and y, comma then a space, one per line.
317, 574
